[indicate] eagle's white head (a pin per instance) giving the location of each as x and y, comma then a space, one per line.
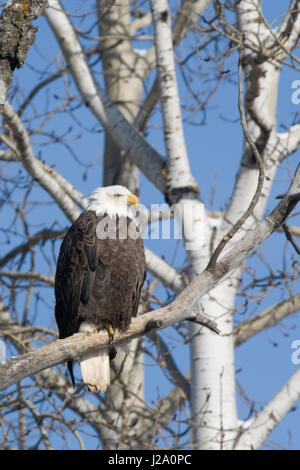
113, 201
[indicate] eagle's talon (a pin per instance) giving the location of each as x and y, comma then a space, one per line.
110, 332
164, 173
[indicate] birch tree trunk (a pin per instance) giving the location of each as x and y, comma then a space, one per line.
213, 390
123, 73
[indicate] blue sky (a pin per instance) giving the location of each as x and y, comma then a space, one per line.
214, 149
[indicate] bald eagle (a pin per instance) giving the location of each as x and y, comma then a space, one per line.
99, 276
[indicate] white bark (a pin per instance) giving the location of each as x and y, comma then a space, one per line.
289, 142
178, 168
287, 33
123, 71
213, 391
267, 419
189, 12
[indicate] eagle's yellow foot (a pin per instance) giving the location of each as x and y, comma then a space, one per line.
164, 172
110, 332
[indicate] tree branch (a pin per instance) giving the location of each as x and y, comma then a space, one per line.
164, 353
179, 177
289, 237
72, 347
34, 167
260, 182
28, 275
267, 419
164, 272
269, 317
17, 36
287, 33
289, 141
41, 236
15, 156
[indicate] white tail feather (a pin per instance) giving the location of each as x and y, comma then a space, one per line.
95, 370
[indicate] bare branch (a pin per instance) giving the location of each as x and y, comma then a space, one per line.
28, 275
70, 190
34, 168
289, 237
171, 366
267, 419
140, 23
164, 272
292, 229
75, 195
35, 239
288, 31
190, 12
269, 317
260, 181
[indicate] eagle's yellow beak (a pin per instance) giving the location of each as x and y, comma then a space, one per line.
132, 199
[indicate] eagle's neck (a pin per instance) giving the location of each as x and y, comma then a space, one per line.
111, 211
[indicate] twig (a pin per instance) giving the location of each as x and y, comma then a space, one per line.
204, 321
164, 352
28, 275
265, 319
290, 238
229, 235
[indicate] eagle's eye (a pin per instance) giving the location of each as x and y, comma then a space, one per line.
116, 196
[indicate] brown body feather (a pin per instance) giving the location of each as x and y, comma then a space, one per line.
97, 280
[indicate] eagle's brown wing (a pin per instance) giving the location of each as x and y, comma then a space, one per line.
141, 276
75, 273
97, 280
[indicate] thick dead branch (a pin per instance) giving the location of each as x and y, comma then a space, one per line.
72, 347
